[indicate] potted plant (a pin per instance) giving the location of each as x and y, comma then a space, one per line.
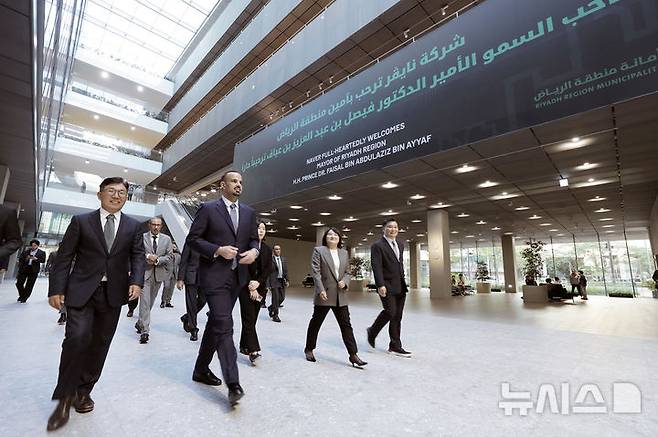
357, 266
533, 264
481, 278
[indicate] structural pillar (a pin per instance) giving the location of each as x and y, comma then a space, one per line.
509, 263
414, 264
4, 182
438, 236
319, 233
653, 232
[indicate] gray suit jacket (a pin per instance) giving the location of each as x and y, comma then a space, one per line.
165, 257
324, 275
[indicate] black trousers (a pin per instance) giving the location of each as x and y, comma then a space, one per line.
194, 301
218, 334
249, 314
342, 315
25, 284
278, 292
89, 333
391, 314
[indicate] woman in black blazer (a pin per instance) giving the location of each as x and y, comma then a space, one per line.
329, 265
252, 295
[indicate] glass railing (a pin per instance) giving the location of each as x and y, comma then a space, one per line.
116, 145
116, 101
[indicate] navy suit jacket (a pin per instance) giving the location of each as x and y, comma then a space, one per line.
83, 258
212, 228
387, 269
188, 270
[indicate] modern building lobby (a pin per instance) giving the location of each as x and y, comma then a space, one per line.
513, 144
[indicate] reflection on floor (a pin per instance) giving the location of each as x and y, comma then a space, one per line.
464, 349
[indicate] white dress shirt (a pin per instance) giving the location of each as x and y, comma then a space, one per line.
334, 256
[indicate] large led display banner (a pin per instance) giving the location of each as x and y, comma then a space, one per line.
501, 66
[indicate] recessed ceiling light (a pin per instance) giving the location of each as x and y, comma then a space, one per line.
296, 207
481, 222
265, 214
389, 185
600, 210
140, 88
470, 236
420, 235
482, 239
534, 217
596, 199
417, 197
607, 219
346, 229
564, 182
521, 208
317, 224
204, 194
575, 139
508, 233
86, 161
495, 228
293, 227
268, 223
465, 169
125, 170
272, 231
504, 193
364, 239
105, 75
609, 232
334, 197
97, 117
552, 230
403, 230
590, 180
379, 225
463, 215
350, 219
560, 235
416, 221
608, 226
293, 219
487, 184
388, 213
325, 213
586, 166
545, 224
370, 233
440, 205
213, 190
132, 128
454, 232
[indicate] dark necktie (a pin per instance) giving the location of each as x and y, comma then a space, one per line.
234, 217
109, 231
155, 246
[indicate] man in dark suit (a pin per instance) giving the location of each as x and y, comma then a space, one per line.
10, 233
99, 267
226, 236
195, 299
278, 282
29, 265
386, 257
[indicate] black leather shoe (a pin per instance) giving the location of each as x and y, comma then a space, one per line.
162, 304
271, 313
309, 356
206, 377
83, 404
129, 313
62, 319
235, 393
357, 362
168, 305
276, 319
138, 328
399, 352
253, 357
183, 320
60, 416
194, 335
371, 339
144, 338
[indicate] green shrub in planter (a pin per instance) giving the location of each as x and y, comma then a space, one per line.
620, 294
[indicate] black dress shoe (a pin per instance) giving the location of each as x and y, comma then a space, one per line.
144, 338
276, 319
83, 404
271, 313
129, 313
371, 339
253, 357
183, 320
309, 356
168, 305
162, 304
399, 352
60, 416
357, 362
235, 393
62, 319
138, 328
194, 335
206, 377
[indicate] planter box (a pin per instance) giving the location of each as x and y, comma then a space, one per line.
356, 285
535, 294
483, 287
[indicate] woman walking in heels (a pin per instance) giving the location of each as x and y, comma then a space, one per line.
252, 295
329, 266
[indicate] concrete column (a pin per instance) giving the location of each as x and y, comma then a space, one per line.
319, 232
509, 263
414, 264
653, 231
4, 182
438, 234
13, 259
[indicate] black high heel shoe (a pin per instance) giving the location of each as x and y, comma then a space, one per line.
309, 356
357, 362
253, 357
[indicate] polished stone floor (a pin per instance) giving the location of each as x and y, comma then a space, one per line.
464, 349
